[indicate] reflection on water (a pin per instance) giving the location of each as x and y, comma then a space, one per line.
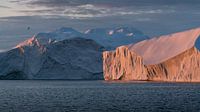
98, 96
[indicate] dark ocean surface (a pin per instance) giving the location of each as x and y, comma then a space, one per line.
97, 96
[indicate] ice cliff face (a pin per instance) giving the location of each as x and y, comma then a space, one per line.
183, 67
123, 64
172, 57
61, 54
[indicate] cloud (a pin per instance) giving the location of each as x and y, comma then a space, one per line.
143, 19
109, 3
84, 9
92, 11
5, 7
166, 14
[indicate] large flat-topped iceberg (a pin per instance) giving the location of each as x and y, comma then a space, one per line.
157, 50
174, 57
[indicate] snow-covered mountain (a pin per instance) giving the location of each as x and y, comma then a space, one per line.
114, 37
63, 54
110, 38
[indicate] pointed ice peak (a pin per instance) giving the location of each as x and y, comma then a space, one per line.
28, 42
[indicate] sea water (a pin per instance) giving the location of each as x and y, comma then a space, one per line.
97, 96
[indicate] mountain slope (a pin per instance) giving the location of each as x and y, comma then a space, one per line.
75, 58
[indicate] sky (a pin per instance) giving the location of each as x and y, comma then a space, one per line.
153, 17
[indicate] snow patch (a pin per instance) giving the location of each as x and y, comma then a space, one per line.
129, 34
111, 32
120, 30
87, 31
